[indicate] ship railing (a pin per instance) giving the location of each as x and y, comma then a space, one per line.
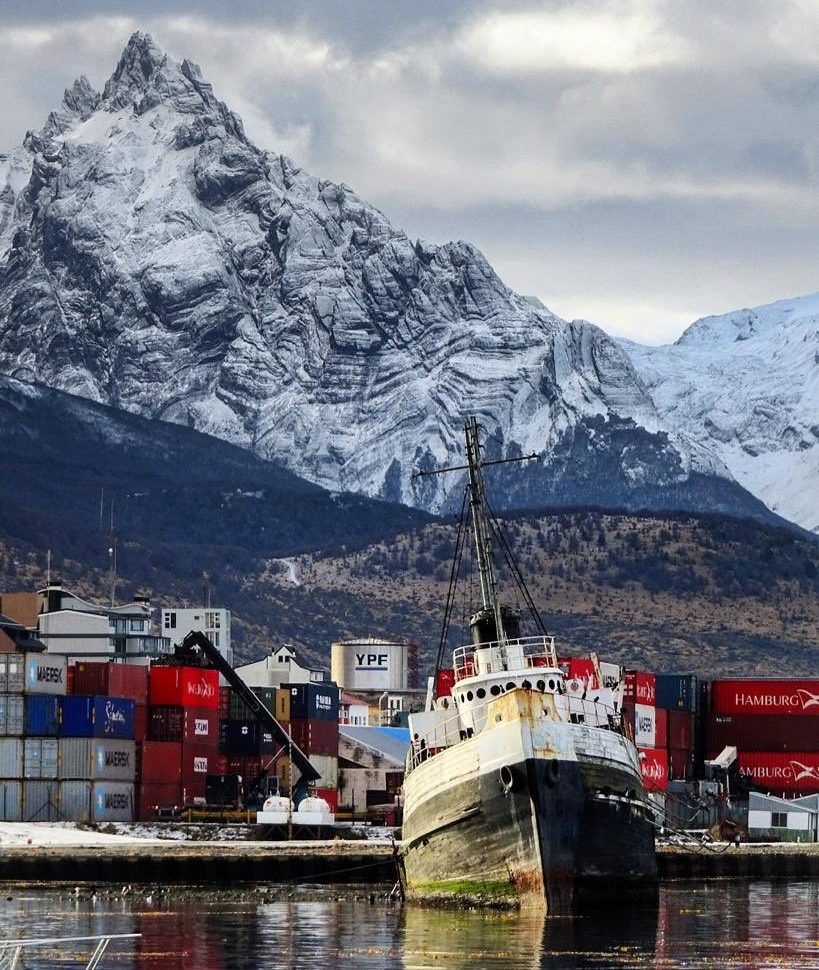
451, 731
499, 656
12, 951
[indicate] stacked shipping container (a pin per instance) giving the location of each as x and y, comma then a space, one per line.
649, 726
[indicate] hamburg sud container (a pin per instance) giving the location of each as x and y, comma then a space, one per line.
42, 714
314, 701
97, 759
654, 768
677, 692
787, 772
112, 801
45, 673
640, 688
82, 716
113, 679
11, 800
12, 715
183, 724
747, 732
766, 698
183, 687
40, 757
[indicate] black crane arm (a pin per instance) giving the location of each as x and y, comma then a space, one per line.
196, 641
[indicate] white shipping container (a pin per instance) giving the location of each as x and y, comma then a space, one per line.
327, 766
97, 759
112, 801
75, 801
645, 725
12, 715
45, 673
40, 757
11, 758
15, 666
4, 680
41, 801
11, 801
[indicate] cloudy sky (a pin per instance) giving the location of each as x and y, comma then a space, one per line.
638, 163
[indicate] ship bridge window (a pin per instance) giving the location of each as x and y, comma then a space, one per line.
481, 693
541, 685
469, 695
494, 690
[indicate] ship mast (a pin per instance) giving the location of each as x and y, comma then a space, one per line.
480, 524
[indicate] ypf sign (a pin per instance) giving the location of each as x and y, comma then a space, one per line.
371, 667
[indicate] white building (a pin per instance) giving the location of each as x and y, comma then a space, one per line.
179, 621
783, 819
278, 668
68, 624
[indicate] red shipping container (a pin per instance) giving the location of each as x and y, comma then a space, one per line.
640, 687
221, 765
776, 771
653, 768
680, 730
765, 697
115, 680
660, 728
750, 733
184, 724
159, 762
141, 722
69, 679
198, 760
184, 687
680, 764
224, 703
330, 795
444, 682
151, 797
315, 737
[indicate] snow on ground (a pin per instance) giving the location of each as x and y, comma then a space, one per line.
40, 834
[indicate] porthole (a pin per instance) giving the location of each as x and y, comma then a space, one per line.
469, 695
527, 685
551, 685
494, 690
541, 685
463, 699
481, 693
511, 685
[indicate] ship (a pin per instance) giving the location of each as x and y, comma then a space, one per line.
522, 787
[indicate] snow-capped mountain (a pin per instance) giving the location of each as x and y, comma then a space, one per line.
153, 259
746, 385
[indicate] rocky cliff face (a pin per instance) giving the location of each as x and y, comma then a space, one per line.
746, 385
151, 258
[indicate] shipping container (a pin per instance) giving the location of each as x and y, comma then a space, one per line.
776, 771
660, 727
327, 767
42, 714
198, 760
45, 673
183, 687
183, 724
315, 737
41, 801
75, 800
330, 795
159, 762
611, 675
223, 791
642, 720
221, 765
97, 759
112, 801
12, 715
309, 701
14, 666
40, 757
765, 697
241, 711
11, 800
11, 758
154, 799
677, 692
680, 764
640, 688
141, 722
224, 703
747, 732
681, 730
654, 768
112, 679
82, 716
248, 738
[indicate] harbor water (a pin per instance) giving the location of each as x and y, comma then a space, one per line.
703, 925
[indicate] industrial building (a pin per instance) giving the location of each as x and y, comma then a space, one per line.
214, 622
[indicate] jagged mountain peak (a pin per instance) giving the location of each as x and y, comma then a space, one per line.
158, 261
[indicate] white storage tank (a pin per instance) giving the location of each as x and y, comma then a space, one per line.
369, 664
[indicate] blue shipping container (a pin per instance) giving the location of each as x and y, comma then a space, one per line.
42, 714
314, 702
247, 738
677, 692
82, 716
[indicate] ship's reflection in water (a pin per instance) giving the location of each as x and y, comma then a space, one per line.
695, 926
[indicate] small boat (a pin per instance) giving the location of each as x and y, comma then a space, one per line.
13, 953
519, 787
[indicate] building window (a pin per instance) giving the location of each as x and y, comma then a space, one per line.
170, 621
215, 639
779, 820
120, 626
213, 621
137, 626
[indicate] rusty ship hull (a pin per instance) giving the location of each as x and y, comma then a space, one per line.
531, 810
